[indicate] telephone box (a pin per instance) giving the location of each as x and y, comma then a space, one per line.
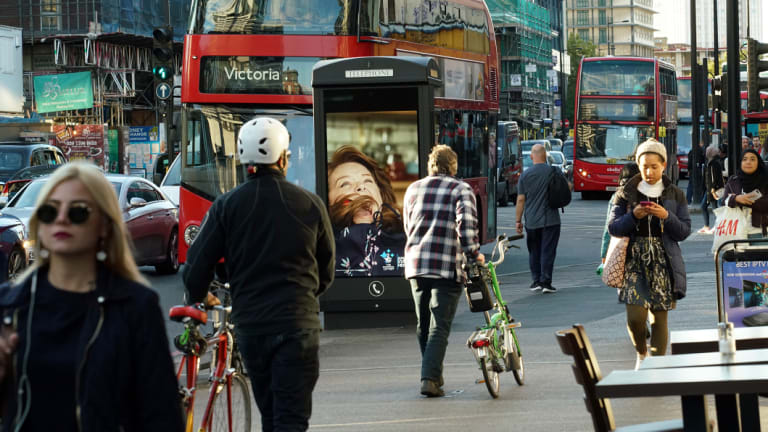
373, 133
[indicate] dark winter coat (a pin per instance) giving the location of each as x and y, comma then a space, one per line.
759, 208
676, 227
713, 178
128, 381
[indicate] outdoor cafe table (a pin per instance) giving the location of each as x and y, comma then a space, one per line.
692, 384
753, 356
706, 340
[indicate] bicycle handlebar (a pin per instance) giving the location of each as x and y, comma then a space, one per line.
502, 245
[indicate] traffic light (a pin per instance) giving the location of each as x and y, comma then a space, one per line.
720, 89
163, 55
754, 66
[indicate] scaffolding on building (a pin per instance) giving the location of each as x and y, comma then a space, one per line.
110, 38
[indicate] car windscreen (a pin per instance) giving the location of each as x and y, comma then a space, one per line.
28, 196
557, 157
173, 177
11, 160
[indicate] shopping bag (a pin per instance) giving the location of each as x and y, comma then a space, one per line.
731, 223
613, 271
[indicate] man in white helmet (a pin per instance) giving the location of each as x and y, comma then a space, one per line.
278, 247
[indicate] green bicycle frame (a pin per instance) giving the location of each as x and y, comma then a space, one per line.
500, 315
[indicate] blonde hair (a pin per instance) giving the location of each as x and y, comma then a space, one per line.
442, 160
117, 243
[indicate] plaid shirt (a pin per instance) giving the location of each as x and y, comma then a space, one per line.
440, 218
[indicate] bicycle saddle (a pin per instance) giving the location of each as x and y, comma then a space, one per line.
179, 313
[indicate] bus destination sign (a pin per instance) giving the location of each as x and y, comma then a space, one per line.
257, 75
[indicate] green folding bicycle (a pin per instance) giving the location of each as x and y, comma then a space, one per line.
495, 345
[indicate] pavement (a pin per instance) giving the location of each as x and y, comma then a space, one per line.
369, 378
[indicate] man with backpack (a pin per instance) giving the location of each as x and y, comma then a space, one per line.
541, 190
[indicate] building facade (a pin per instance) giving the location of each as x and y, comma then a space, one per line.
750, 21
616, 27
530, 38
679, 54
111, 39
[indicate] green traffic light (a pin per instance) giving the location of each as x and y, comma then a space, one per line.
160, 72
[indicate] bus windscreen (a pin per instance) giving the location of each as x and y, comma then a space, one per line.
609, 143
638, 110
617, 77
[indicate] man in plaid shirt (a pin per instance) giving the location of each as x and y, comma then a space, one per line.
440, 218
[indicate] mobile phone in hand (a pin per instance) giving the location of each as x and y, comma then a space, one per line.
646, 203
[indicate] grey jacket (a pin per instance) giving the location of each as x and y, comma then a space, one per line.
675, 228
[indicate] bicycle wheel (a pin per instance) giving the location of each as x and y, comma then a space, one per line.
240, 403
516, 360
491, 377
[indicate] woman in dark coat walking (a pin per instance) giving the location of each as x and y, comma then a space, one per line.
653, 213
713, 181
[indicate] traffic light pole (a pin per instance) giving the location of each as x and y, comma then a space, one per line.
694, 172
715, 111
734, 93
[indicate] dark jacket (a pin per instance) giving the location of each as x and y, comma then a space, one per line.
759, 208
127, 380
713, 178
676, 227
277, 243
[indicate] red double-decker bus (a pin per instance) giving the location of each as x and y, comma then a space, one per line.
246, 59
621, 102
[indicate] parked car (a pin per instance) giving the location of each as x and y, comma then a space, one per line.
527, 145
509, 163
151, 218
558, 160
528, 162
556, 143
13, 256
567, 150
172, 181
21, 178
16, 155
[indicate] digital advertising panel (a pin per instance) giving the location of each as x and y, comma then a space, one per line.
745, 290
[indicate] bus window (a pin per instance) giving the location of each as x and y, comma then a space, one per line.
616, 77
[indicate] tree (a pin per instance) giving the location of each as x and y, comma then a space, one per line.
577, 48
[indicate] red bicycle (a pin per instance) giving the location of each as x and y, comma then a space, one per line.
229, 400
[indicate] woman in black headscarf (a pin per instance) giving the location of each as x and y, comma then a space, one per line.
749, 188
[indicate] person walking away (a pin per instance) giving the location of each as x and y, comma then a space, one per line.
713, 181
694, 170
653, 213
628, 171
441, 226
542, 223
84, 347
749, 189
277, 244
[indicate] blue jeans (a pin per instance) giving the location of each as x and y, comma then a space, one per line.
436, 301
283, 368
542, 248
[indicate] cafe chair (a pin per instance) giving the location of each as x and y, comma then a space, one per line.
575, 343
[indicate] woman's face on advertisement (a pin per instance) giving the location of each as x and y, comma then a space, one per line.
352, 180
749, 163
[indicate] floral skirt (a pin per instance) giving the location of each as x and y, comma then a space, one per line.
647, 280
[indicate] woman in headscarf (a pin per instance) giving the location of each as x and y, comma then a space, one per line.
749, 189
713, 181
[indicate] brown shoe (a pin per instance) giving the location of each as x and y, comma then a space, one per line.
430, 388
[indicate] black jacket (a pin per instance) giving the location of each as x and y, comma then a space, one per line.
759, 208
676, 228
713, 178
278, 247
127, 381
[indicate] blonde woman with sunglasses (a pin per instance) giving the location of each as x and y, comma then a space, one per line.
83, 346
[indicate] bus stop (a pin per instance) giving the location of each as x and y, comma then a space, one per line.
374, 127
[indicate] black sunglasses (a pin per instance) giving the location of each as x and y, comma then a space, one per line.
77, 213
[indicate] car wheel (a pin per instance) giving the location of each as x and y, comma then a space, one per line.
171, 263
17, 262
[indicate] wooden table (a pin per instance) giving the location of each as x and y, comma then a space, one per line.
706, 340
735, 388
743, 357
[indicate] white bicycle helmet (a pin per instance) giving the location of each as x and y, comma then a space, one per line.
261, 141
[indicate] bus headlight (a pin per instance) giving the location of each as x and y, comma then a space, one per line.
190, 233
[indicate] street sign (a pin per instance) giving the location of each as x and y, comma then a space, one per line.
567, 123
163, 91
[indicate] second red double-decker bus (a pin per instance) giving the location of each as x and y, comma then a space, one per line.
249, 58
621, 102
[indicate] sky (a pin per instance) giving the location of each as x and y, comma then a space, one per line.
667, 20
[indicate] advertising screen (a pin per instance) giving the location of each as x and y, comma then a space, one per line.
372, 158
745, 290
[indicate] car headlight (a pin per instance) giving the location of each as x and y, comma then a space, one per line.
190, 233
